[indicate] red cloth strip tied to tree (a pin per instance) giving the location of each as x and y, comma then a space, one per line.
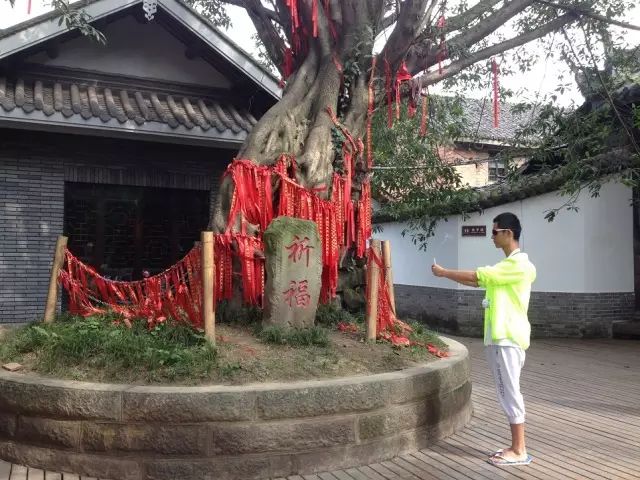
175, 292
402, 75
496, 93
388, 327
252, 203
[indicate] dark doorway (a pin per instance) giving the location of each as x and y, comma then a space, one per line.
123, 231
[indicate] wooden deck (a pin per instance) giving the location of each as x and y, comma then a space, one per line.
583, 422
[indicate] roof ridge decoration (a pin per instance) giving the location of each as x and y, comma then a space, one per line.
150, 8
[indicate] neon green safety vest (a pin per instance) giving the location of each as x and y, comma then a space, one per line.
508, 288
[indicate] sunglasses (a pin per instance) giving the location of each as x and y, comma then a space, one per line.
495, 231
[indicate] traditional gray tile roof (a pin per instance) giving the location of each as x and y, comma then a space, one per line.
80, 101
46, 27
478, 115
522, 187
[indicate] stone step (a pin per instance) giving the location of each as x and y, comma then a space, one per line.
626, 329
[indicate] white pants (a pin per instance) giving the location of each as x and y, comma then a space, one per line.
505, 363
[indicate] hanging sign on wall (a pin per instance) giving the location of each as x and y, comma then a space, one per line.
474, 230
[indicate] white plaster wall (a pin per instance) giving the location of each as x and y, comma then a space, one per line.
590, 251
140, 50
412, 266
608, 254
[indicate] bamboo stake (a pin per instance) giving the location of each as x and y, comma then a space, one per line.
52, 295
372, 301
386, 261
208, 312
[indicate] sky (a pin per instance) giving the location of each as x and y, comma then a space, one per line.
541, 80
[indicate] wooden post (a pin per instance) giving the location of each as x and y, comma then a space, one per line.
386, 260
208, 313
52, 295
372, 301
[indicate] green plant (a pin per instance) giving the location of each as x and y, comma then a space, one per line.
170, 350
296, 337
330, 315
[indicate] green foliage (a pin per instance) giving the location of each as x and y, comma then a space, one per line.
295, 337
74, 17
169, 351
329, 315
423, 334
213, 10
572, 145
237, 315
410, 173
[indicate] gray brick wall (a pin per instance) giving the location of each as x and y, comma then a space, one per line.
31, 217
551, 314
33, 170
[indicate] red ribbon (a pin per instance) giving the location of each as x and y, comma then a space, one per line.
402, 75
314, 17
496, 92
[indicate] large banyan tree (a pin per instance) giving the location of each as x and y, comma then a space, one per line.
340, 60
329, 53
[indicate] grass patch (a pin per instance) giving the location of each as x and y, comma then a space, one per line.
102, 349
423, 334
296, 337
329, 315
72, 345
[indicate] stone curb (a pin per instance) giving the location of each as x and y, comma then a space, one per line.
144, 432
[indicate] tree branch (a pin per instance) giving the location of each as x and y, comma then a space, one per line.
258, 9
588, 13
490, 24
468, 16
389, 20
406, 30
267, 32
422, 53
459, 65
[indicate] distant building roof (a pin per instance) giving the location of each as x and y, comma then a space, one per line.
478, 115
500, 193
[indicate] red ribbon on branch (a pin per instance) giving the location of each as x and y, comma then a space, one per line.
402, 75
496, 93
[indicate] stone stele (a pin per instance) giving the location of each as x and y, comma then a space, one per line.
293, 265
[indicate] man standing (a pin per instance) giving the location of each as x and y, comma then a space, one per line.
506, 326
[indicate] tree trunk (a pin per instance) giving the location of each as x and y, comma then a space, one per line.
301, 125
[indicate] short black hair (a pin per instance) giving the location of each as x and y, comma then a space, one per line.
509, 221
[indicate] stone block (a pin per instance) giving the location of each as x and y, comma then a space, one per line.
49, 432
401, 418
166, 439
58, 398
246, 467
64, 461
293, 268
441, 376
298, 435
323, 398
200, 404
8, 422
392, 421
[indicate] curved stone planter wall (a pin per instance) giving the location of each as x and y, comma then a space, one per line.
124, 432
